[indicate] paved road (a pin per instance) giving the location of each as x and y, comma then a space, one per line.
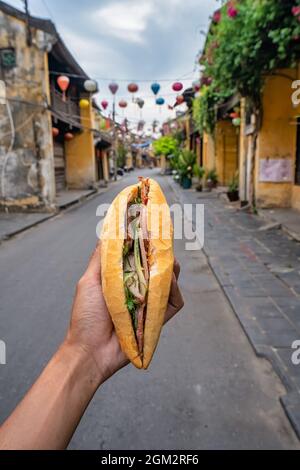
205, 388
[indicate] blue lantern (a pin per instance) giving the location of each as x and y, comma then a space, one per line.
155, 87
160, 101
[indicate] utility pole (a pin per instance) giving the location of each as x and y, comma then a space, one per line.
114, 140
29, 37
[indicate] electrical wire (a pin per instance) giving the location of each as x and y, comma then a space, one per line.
74, 75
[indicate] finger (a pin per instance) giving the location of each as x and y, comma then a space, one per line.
176, 268
176, 301
94, 266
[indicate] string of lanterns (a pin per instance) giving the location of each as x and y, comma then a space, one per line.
91, 86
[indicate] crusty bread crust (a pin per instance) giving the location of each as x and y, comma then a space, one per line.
161, 268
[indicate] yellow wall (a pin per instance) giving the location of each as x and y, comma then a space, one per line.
277, 139
226, 137
80, 155
209, 161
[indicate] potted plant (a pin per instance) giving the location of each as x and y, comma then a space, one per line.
211, 179
186, 162
199, 171
233, 189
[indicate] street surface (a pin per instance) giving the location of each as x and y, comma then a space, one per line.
205, 389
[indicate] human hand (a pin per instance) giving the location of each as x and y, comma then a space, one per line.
91, 328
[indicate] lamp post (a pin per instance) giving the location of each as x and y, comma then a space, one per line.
113, 89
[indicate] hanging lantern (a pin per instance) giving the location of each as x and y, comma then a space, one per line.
160, 101
69, 136
55, 131
84, 104
107, 123
177, 86
113, 88
180, 99
90, 86
63, 83
236, 121
155, 87
140, 103
104, 104
196, 86
123, 104
132, 87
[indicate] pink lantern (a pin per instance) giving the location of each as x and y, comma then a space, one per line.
104, 104
69, 136
123, 104
177, 86
63, 83
55, 131
113, 87
196, 86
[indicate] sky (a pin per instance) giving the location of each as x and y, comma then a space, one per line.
132, 40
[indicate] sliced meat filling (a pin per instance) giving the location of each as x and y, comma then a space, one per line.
135, 261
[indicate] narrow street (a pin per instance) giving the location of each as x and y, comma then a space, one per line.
205, 389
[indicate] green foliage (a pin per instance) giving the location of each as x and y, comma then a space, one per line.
234, 184
185, 163
212, 175
240, 51
121, 154
166, 145
199, 171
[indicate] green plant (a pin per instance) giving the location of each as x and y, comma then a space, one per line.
199, 171
212, 176
166, 145
186, 161
240, 50
234, 184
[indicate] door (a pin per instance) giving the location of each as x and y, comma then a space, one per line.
59, 166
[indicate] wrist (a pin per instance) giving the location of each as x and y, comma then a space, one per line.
81, 365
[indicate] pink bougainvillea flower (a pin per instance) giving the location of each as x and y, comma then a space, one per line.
296, 10
217, 16
232, 11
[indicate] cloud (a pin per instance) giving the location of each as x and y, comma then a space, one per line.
127, 20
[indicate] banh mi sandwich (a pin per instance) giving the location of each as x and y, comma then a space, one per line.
137, 264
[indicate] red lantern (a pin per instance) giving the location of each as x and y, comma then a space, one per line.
132, 87
180, 99
196, 86
63, 83
69, 136
104, 104
177, 86
55, 131
123, 104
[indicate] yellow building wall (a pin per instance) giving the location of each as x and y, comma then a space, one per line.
226, 151
80, 155
208, 149
277, 139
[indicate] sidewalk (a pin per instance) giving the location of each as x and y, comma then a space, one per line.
13, 223
259, 271
288, 219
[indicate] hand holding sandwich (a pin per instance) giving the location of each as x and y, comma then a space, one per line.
50, 412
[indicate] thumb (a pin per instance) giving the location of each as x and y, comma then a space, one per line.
94, 266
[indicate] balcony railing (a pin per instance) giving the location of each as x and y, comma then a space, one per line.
66, 110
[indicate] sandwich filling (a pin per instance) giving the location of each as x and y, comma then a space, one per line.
136, 260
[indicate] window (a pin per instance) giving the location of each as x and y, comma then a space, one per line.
8, 58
